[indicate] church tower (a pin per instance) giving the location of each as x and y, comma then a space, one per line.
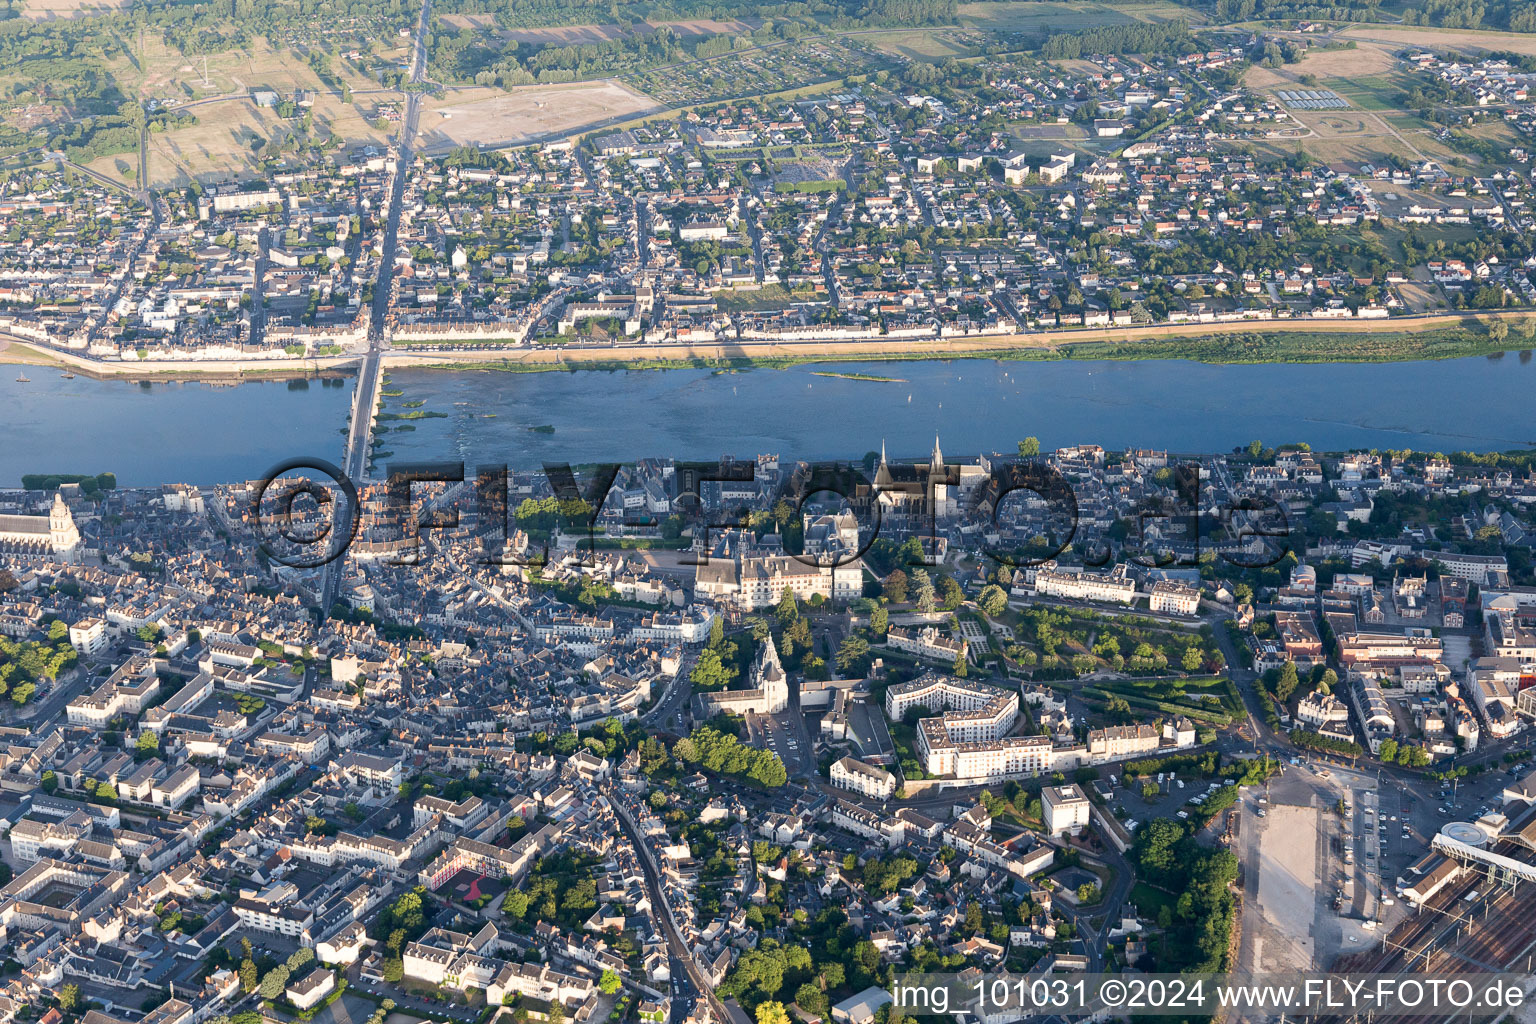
63, 536
768, 676
943, 504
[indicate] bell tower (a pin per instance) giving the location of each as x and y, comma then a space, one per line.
64, 537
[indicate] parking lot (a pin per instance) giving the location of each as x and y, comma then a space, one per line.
778, 734
1312, 847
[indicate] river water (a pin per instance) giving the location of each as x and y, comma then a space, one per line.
202, 433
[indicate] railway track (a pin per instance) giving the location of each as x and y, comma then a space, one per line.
1450, 937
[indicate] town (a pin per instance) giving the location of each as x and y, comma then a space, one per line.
746, 760
750, 740
1014, 200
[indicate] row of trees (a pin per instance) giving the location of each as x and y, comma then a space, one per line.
724, 754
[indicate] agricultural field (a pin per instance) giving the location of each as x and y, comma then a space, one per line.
230, 135
162, 73
1441, 38
491, 117
1036, 16
53, 10
925, 45
1368, 76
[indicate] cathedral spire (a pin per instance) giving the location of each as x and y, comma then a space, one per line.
937, 459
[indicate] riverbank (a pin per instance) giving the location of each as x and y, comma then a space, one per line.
1263, 342
1269, 341
23, 353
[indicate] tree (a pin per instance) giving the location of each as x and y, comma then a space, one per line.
248, 975
1192, 658
896, 586
50, 782
515, 904
772, 1013
69, 997
1156, 844
300, 957
880, 621
959, 667
950, 594
1388, 749
556, 1014
275, 981
993, 600
812, 999
973, 919
787, 610
1288, 681
609, 983
1255, 448
851, 652
1029, 447
922, 591
148, 744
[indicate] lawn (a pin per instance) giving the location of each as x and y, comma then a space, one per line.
1373, 92
1149, 901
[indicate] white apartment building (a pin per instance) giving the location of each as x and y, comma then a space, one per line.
88, 636
873, 782
1066, 809
927, 643
1172, 598
1115, 587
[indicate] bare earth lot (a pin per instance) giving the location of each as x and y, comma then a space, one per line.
1287, 865
490, 117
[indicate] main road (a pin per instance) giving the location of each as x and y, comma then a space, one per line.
355, 458
691, 985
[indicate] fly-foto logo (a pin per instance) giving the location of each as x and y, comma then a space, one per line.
1021, 513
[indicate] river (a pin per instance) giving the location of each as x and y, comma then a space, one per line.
204, 433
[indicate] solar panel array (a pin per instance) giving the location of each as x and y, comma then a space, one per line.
1312, 99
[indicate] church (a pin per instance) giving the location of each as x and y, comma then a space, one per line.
769, 694
916, 489
55, 535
